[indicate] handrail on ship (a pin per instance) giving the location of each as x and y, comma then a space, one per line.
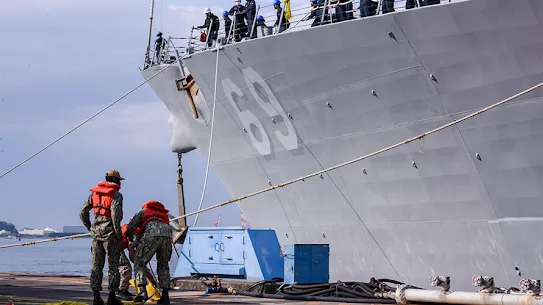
297, 21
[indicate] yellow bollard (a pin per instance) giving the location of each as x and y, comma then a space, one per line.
152, 292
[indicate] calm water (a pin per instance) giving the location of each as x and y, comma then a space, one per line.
67, 257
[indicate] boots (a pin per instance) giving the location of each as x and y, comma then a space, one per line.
97, 299
165, 298
142, 296
112, 299
125, 295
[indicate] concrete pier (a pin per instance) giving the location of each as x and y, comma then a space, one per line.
46, 289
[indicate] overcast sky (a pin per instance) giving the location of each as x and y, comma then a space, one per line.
63, 60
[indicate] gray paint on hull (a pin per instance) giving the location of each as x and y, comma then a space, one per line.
453, 215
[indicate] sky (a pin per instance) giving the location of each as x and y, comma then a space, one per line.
63, 60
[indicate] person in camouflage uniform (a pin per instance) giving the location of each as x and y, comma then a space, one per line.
107, 203
153, 223
125, 267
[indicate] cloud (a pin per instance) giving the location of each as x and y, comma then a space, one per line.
123, 128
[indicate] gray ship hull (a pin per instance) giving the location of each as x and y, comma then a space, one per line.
298, 102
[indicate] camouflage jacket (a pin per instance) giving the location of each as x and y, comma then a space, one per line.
103, 227
152, 228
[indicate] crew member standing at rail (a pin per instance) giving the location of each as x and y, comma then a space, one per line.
240, 27
227, 25
212, 24
107, 203
160, 44
250, 6
284, 22
154, 225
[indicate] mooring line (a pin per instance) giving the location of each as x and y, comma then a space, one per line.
87, 120
409, 140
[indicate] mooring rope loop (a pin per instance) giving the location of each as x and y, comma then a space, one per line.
409, 140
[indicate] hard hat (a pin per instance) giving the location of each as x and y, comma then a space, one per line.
114, 173
225, 13
276, 2
207, 10
314, 1
260, 17
159, 34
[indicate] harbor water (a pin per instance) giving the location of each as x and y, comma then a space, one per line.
66, 257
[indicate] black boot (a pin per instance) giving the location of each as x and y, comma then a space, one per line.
125, 295
112, 299
142, 296
97, 299
164, 298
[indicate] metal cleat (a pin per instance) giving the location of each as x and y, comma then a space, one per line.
485, 282
530, 286
441, 281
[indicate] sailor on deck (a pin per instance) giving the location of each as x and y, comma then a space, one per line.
240, 27
212, 24
154, 224
284, 22
160, 44
107, 202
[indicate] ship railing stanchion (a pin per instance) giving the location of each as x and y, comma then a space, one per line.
208, 35
190, 40
283, 6
325, 4
233, 29
254, 22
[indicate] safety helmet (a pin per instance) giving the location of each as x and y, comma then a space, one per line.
225, 13
207, 10
159, 34
314, 1
276, 2
259, 17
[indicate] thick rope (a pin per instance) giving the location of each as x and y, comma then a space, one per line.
211, 135
86, 121
271, 188
421, 136
45, 241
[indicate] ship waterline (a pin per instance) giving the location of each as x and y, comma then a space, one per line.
465, 201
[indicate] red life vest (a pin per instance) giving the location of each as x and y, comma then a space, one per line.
154, 210
124, 243
102, 196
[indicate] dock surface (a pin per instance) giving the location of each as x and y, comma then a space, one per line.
47, 289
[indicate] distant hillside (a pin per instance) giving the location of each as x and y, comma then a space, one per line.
6, 226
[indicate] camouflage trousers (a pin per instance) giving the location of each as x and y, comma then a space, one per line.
111, 248
125, 271
149, 246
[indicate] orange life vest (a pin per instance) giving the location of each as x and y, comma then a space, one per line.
102, 196
154, 210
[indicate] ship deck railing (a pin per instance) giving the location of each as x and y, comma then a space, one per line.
179, 47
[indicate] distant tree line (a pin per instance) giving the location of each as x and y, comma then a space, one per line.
6, 226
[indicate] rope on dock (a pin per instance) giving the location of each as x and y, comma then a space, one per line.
421, 136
